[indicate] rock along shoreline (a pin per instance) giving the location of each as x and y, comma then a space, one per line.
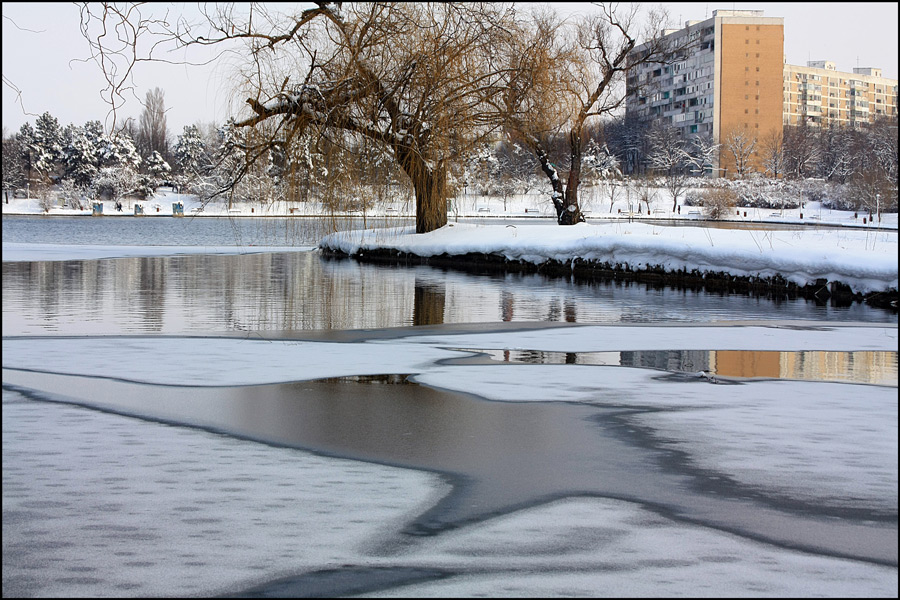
775, 287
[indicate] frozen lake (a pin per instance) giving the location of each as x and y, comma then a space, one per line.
278, 423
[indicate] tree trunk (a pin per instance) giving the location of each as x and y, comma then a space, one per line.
555, 182
570, 212
430, 186
674, 202
565, 199
431, 200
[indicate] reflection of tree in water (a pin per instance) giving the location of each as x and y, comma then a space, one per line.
507, 306
51, 284
558, 310
152, 274
428, 306
292, 291
569, 311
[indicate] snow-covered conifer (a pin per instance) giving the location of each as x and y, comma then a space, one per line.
47, 144
158, 169
119, 150
81, 155
190, 151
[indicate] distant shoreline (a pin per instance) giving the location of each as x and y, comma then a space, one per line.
662, 221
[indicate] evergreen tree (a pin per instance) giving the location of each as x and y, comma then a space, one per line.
190, 152
47, 145
158, 169
15, 162
80, 156
119, 151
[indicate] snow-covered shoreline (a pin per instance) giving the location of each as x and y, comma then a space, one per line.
864, 262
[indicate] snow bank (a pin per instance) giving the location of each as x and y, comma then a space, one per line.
866, 261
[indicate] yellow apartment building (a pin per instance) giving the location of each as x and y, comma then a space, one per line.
732, 80
822, 96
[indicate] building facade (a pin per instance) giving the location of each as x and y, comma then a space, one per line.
821, 95
733, 81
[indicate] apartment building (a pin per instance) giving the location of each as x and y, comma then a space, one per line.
733, 81
822, 96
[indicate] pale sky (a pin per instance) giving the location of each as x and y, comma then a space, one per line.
42, 44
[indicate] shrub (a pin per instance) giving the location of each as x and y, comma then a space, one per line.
718, 202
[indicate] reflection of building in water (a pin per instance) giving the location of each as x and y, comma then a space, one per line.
668, 360
863, 367
867, 367
871, 367
741, 363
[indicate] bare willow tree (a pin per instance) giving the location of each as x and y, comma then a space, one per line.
579, 72
414, 79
